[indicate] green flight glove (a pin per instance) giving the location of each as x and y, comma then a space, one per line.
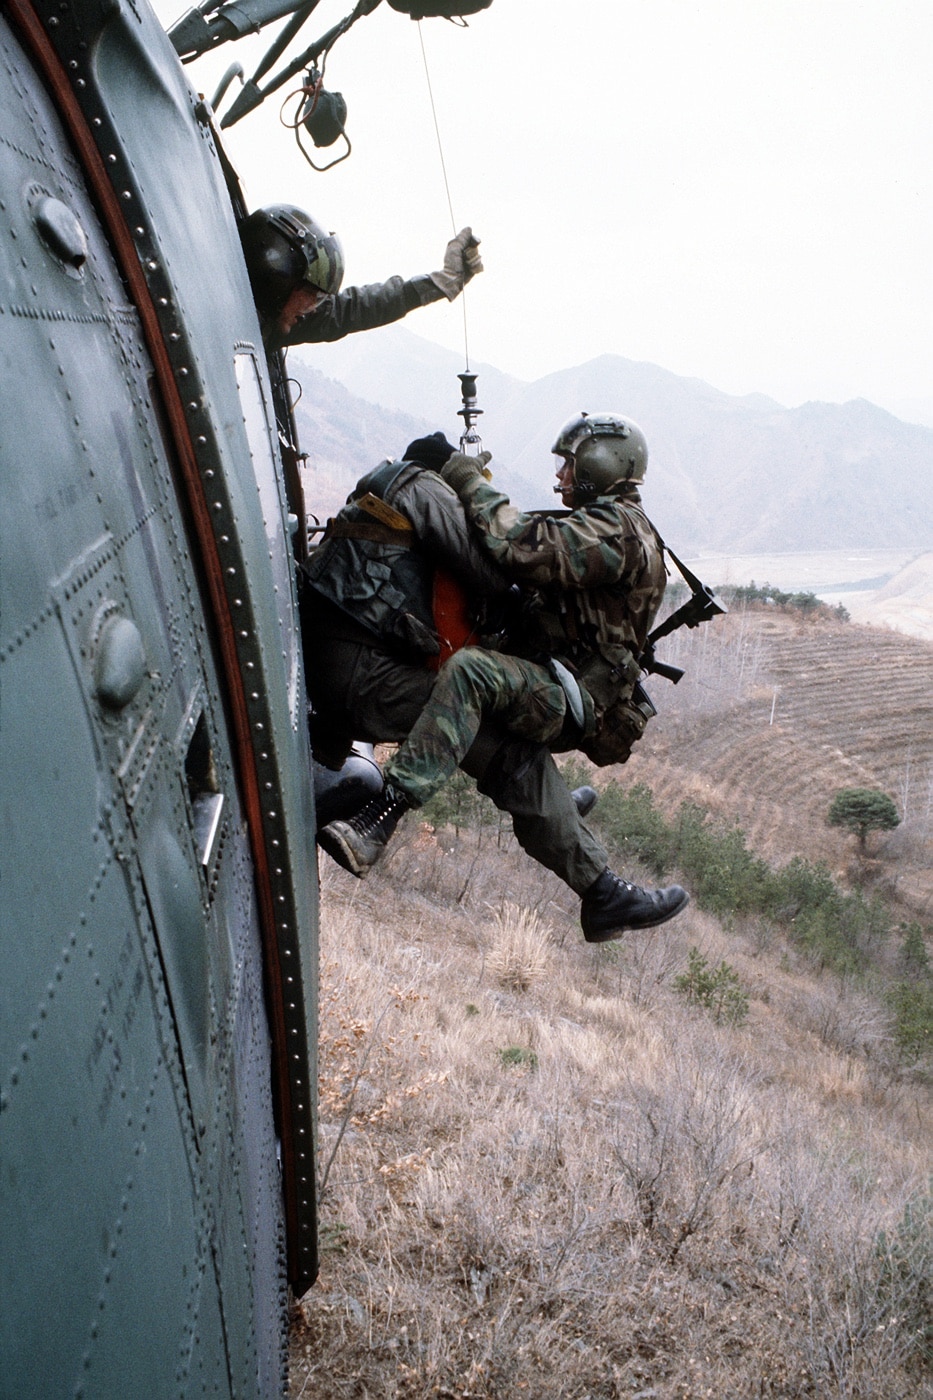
461, 262
460, 470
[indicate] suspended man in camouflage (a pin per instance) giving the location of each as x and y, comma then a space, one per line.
593, 578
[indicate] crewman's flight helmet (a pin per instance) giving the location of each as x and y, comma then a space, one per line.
606, 451
284, 247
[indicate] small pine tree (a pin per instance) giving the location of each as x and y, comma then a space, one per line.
718, 990
912, 1005
913, 955
862, 810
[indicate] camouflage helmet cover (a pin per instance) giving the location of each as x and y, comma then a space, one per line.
285, 247
607, 450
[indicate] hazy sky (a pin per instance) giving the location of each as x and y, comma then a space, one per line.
741, 192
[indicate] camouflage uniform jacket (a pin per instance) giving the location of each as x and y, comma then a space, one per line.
380, 578
362, 309
596, 577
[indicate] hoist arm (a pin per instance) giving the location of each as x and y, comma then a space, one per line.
195, 34
251, 95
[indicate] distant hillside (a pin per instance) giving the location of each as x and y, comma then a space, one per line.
727, 473
904, 603
344, 437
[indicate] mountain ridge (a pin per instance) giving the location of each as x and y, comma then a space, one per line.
739, 473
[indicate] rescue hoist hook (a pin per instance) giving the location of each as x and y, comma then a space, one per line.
470, 440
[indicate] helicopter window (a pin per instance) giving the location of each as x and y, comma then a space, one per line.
206, 802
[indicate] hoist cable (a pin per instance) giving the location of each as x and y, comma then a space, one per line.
450, 207
437, 129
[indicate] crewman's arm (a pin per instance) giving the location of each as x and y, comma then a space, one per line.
585, 549
381, 303
362, 309
445, 535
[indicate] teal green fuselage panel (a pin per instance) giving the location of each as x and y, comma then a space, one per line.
157, 879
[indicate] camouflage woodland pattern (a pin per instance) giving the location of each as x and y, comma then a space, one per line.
474, 685
599, 570
597, 579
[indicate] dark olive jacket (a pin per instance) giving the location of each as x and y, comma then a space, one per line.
379, 572
361, 309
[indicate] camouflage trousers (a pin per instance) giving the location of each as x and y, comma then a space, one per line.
362, 692
473, 685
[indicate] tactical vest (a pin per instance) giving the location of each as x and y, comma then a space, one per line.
369, 565
599, 635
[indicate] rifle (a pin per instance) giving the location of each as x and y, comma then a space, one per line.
701, 606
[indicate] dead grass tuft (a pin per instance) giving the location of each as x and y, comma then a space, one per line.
520, 948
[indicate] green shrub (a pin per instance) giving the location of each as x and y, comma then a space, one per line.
912, 1006
460, 805
631, 824
837, 930
717, 990
797, 886
807, 603
727, 879
913, 955
518, 1057
823, 933
333, 1237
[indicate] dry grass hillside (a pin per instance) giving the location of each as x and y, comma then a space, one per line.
547, 1172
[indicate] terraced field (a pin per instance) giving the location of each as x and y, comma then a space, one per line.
776, 714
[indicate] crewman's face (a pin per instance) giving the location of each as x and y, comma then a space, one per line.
565, 480
300, 303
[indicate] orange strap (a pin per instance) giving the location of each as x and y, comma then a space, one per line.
451, 617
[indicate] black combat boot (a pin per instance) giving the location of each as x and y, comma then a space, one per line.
584, 799
612, 905
358, 842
